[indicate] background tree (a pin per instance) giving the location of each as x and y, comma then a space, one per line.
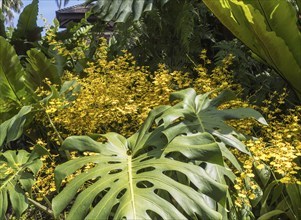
9, 7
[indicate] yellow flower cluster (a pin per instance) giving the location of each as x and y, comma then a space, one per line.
115, 96
277, 148
72, 49
44, 183
219, 79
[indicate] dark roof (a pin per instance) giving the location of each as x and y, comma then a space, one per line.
81, 8
73, 14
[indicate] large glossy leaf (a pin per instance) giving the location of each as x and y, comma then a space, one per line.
145, 174
27, 30
12, 75
40, 67
197, 113
15, 85
120, 10
12, 128
17, 170
270, 214
269, 29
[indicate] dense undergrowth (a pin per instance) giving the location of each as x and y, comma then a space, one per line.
89, 130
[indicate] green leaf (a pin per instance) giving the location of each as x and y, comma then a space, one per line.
270, 214
121, 10
17, 198
27, 30
40, 68
199, 113
15, 177
294, 193
264, 174
12, 75
37, 152
131, 178
269, 29
3, 203
12, 129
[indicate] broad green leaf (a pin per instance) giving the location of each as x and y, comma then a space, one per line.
12, 129
198, 113
270, 214
228, 154
17, 198
12, 75
15, 177
40, 68
27, 30
269, 29
131, 178
121, 10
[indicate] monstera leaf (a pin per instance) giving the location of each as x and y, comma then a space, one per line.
17, 170
198, 113
142, 177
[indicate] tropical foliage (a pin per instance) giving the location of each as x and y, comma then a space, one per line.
132, 127
264, 26
260, 25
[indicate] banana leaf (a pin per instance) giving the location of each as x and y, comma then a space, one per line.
27, 31
269, 29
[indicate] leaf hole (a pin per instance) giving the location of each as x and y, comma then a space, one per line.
146, 169
99, 196
144, 184
115, 171
147, 158
113, 162
169, 198
121, 193
175, 155
177, 176
144, 150
113, 211
153, 215
216, 128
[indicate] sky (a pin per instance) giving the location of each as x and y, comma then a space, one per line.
47, 9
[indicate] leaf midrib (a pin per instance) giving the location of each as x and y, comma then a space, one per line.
130, 177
